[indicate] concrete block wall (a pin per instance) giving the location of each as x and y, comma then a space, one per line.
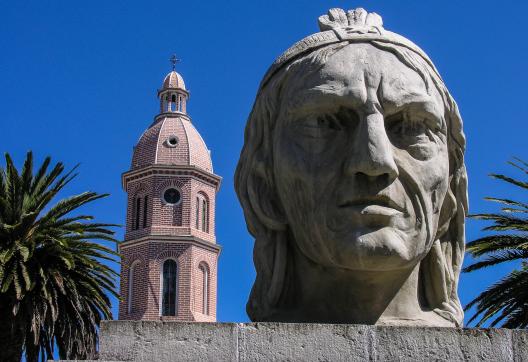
173, 341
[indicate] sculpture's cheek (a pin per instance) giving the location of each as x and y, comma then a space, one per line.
434, 172
313, 161
428, 179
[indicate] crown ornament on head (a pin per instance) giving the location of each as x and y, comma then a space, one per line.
357, 21
353, 26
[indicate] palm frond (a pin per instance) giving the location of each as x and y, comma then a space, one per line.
520, 164
513, 181
507, 202
504, 297
51, 271
506, 301
493, 243
498, 257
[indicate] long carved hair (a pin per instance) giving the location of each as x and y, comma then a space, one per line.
256, 190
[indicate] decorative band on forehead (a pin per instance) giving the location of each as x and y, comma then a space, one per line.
353, 26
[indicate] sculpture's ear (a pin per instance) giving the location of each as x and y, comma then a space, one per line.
263, 196
267, 223
441, 267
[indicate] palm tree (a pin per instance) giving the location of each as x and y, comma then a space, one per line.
53, 284
505, 301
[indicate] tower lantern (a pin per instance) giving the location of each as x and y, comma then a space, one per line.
170, 254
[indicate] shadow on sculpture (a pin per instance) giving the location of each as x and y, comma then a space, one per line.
353, 183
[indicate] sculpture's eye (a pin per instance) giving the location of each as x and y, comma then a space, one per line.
319, 126
417, 134
328, 122
406, 130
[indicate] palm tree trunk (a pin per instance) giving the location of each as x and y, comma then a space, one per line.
11, 334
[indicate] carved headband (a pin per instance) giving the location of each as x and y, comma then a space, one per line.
354, 26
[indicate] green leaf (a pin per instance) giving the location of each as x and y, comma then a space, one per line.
50, 262
506, 301
7, 254
25, 276
24, 252
513, 181
7, 283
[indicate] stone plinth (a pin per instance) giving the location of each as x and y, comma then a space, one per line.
175, 341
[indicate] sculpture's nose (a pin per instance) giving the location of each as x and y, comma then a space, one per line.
371, 154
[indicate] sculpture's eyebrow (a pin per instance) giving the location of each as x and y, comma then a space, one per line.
322, 96
417, 103
411, 100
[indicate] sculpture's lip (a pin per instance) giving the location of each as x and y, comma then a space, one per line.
379, 204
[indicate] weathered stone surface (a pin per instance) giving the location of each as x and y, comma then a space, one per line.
353, 183
304, 342
520, 345
168, 341
174, 341
442, 344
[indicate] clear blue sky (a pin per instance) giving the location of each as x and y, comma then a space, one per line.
78, 82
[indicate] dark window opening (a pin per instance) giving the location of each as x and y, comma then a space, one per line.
197, 212
205, 289
171, 196
132, 225
137, 213
172, 141
169, 288
204, 216
145, 211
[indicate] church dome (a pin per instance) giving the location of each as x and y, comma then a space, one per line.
173, 80
172, 138
172, 141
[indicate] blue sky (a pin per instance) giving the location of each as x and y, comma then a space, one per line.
78, 82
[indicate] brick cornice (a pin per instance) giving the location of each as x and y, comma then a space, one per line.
192, 240
174, 89
175, 114
171, 170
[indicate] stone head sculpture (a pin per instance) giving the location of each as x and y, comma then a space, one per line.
353, 183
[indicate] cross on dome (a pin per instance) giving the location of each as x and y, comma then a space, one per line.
170, 222
173, 61
173, 95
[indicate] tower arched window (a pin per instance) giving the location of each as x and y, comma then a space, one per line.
205, 288
202, 212
168, 291
165, 103
137, 213
132, 271
197, 212
205, 216
145, 211
174, 103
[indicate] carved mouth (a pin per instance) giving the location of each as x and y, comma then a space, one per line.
375, 205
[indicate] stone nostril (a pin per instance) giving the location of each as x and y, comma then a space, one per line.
362, 177
381, 179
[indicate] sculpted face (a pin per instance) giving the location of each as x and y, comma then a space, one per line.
361, 161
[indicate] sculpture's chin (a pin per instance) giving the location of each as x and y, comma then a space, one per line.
382, 249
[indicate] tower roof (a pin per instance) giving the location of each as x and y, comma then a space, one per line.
172, 141
173, 80
172, 138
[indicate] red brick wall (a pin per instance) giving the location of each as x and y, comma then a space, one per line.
163, 219
147, 281
210, 259
169, 231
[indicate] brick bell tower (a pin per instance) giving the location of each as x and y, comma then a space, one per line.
169, 255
